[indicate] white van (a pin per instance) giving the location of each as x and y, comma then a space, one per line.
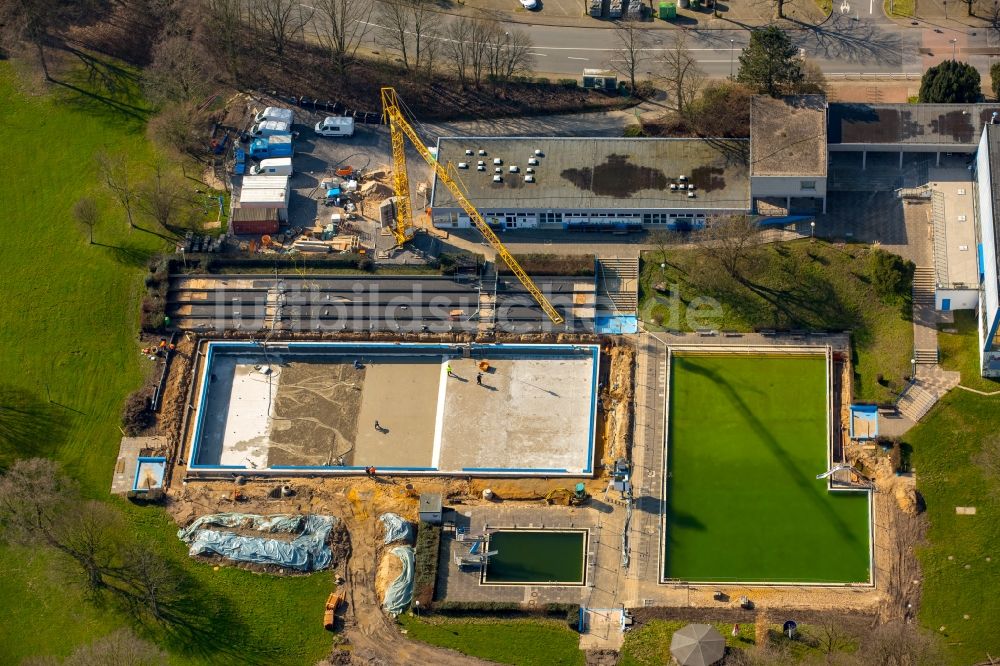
335, 126
276, 113
267, 128
273, 166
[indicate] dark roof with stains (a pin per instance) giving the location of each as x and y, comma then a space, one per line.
788, 136
599, 173
933, 124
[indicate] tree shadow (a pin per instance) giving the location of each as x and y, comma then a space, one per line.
133, 256
30, 427
843, 38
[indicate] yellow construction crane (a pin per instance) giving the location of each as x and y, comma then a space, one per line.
399, 130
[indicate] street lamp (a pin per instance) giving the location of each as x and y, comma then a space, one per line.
953, 42
812, 229
913, 369
945, 10
732, 51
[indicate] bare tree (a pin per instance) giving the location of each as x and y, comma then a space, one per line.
86, 215
160, 197
813, 82
34, 494
177, 72
224, 30
458, 47
479, 50
730, 241
89, 534
181, 128
116, 172
663, 239
154, 583
630, 51
33, 22
341, 25
280, 20
832, 638
509, 53
397, 28
680, 73
118, 648
425, 35
900, 644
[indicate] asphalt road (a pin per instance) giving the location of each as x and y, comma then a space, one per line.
862, 41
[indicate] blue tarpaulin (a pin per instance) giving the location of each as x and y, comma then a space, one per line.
400, 592
396, 529
308, 551
616, 325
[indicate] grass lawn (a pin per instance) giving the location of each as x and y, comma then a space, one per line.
747, 437
69, 325
957, 344
649, 645
798, 285
901, 7
961, 562
526, 642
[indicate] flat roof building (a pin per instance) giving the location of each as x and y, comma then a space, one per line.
788, 153
548, 182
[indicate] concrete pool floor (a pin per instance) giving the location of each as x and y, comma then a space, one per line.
316, 409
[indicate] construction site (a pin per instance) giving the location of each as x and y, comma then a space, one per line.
556, 462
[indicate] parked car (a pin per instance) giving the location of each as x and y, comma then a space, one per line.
335, 126
273, 166
270, 128
529, 4
278, 113
272, 146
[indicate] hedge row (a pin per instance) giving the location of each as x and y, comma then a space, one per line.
426, 562
553, 264
570, 613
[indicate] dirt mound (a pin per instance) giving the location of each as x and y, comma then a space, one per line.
906, 498
616, 397
389, 569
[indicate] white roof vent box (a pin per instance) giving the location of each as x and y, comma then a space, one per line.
468, 151
498, 178
497, 160
463, 165
539, 153
533, 161
513, 168
481, 167
529, 178
482, 153
691, 195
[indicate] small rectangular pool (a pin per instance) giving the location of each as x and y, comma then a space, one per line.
536, 557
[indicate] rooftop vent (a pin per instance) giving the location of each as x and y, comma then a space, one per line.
482, 163
690, 195
468, 151
673, 186
995, 118
463, 165
533, 161
529, 178
482, 152
539, 153
513, 168
530, 170
498, 170
498, 178
682, 178
690, 186
481, 167
497, 160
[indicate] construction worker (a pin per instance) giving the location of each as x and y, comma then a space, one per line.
448, 368
479, 379
378, 426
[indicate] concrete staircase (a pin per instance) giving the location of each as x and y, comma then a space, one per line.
916, 401
924, 316
618, 285
488, 299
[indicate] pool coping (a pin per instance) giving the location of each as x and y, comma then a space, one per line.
760, 350
584, 556
206, 350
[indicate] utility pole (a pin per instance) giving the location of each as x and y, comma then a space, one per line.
732, 52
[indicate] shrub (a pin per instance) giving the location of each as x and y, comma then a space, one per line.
890, 274
995, 79
568, 83
633, 131
365, 263
136, 415
543, 81
426, 562
553, 264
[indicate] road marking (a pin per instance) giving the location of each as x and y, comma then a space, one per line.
544, 55
573, 58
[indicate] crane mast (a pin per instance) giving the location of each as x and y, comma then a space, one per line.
399, 127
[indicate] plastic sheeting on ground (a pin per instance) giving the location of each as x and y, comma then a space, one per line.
308, 551
399, 594
396, 529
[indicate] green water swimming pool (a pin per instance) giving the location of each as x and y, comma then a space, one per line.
536, 557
